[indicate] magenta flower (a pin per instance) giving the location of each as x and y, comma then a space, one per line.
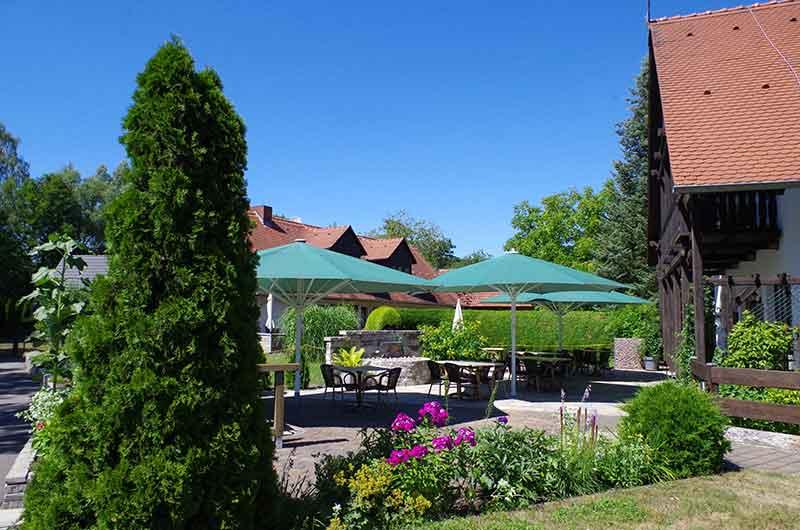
465, 434
418, 451
502, 420
403, 422
398, 456
435, 412
441, 443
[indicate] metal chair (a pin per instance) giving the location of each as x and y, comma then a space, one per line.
436, 376
333, 381
385, 382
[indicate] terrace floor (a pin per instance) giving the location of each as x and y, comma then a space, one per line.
330, 427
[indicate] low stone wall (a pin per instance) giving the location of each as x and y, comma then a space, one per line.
387, 349
17, 478
627, 354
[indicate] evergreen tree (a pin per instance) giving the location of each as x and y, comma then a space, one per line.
621, 250
164, 429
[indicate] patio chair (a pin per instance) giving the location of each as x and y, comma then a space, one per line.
384, 382
463, 377
333, 381
436, 376
498, 378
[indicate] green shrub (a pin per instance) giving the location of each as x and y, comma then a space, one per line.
164, 428
682, 425
640, 321
537, 329
319, 321
384, 317
762, 345
444, 343
756, 344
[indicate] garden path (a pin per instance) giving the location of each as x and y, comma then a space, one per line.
16, 389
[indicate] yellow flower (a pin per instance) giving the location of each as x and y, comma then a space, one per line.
420, 504
395, 499
370, 480
340, 479
336, 524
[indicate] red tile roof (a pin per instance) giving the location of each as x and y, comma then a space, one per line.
730, 94
380, 248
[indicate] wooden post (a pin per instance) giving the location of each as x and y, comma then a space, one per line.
277, 423
699, 298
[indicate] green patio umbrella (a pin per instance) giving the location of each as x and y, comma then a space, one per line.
562, 302
513, 274
299, 274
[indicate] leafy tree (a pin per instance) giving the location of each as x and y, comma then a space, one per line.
12, 166
164, 429
470, 259
425, 235
621, 251
563, 229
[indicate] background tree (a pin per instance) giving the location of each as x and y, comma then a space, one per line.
425, 235
12, 166
164, 428
621, 251
563, 229
470, 259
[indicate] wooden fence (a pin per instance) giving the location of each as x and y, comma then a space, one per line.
713, 376
738, 293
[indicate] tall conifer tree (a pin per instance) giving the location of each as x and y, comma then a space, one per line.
621, 251
164, 428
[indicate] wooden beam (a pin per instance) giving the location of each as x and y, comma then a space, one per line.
699, 298
754, 377
757, 410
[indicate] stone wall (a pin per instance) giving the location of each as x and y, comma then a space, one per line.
387, 349
627, 354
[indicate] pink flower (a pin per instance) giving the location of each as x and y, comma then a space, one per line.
403, 422
398, 456
465, 434
441, 443
435, 412
39, 425
418, 451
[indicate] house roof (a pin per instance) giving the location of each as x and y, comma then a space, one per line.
381, 248
95, 266
730, 94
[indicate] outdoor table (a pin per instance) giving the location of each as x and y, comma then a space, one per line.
277, 421
475, 367
359, 372
549, 362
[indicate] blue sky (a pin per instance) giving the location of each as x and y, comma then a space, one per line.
454, 111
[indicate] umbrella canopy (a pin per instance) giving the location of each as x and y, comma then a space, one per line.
458, 316
299, 274
514, 274
562, 302
569, 298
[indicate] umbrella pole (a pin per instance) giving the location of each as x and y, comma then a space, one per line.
560, 332
513, 345
298, 337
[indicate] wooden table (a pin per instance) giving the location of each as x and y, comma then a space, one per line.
475, 367
278, 419
550, 359
358, 372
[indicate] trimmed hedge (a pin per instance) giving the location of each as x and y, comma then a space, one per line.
383, 317
536, 328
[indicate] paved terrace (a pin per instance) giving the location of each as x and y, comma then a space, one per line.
332, 427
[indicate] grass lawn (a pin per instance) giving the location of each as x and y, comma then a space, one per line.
313, 367
734, 501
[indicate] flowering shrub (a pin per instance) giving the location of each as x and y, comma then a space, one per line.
419, 469
42, 408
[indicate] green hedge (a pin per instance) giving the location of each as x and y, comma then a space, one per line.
383, 317
536, 328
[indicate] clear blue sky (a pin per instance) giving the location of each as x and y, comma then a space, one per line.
453, 111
